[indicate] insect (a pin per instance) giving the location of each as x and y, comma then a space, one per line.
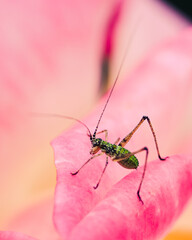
115, 151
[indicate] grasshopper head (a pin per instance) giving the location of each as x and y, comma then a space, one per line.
96, 142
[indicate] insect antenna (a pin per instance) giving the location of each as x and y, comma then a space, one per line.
55, 115
117, 77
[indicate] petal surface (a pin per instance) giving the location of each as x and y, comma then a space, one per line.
167, 188
158, 89
9, 235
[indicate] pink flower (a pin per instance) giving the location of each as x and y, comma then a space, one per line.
113, 211
46, 64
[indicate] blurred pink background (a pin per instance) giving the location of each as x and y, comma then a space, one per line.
49, 62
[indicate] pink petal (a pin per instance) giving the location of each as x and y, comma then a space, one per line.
166, 189
9, 235
160, 89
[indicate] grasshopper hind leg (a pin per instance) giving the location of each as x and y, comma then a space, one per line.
144, 168
143, 174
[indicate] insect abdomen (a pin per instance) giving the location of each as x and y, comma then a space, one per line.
131, 162
118, 152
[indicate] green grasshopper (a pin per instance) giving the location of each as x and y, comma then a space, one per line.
116, 151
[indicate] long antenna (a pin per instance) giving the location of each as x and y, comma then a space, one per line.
117, 77
60, 116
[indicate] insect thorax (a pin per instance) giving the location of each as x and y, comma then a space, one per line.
96, 142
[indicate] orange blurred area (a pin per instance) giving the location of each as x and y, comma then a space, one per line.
179, 235
182, 229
